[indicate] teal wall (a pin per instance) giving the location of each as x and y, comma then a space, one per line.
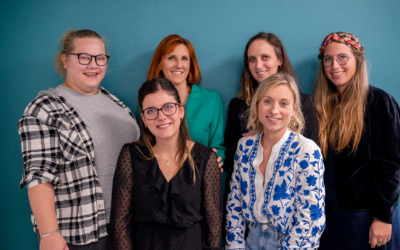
30, 33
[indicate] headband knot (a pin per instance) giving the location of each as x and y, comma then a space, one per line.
345, 38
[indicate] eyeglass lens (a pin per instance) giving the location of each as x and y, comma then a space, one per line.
85, 59
168, 110
341, 59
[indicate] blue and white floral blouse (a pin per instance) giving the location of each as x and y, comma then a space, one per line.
293, 198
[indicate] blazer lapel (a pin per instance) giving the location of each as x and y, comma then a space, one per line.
193, 101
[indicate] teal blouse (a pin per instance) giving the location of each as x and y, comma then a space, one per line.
204, 117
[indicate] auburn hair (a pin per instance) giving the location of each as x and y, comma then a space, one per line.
166, 46
341, 118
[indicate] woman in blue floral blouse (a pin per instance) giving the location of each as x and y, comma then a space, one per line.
277, 187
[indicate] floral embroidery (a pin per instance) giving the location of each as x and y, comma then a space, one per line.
294, 197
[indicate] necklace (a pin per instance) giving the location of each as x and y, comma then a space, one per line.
166, 162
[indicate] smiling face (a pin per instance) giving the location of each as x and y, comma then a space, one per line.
340, 75
163, 127
84, 78
262, 59
176, 65
275, 109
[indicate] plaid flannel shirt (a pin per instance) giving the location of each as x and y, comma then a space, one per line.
57, 148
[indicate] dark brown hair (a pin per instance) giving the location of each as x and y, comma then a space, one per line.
149, 140
248, 84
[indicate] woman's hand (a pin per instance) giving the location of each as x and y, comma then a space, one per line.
53, 242
379, 233
220, 163
250, 133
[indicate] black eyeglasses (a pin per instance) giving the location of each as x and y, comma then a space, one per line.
341, 59
85, 59
168, 109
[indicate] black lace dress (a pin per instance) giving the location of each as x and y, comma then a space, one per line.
150, 213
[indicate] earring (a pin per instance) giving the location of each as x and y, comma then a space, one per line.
145, 126
181, 119
279, 67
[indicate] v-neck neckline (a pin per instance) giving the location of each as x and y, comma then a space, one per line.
173, 177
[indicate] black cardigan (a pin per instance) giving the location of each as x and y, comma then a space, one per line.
237, 125
370, 178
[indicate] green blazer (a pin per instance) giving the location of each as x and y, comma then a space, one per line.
204, 116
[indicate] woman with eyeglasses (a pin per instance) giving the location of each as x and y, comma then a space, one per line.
166, 192
175, 60
71, 137
277, 189
359, 136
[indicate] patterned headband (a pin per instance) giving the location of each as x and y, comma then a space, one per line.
346, 38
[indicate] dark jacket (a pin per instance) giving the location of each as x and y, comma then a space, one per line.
370, 178
237, 125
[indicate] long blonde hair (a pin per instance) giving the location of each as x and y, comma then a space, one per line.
341, 119
296, 123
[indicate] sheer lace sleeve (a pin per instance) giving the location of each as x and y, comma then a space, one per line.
211, 200
122, 207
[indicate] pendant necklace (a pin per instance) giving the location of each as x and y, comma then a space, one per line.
166, 162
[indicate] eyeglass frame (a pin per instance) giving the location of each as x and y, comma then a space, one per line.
158, 110
91, 57
336, 58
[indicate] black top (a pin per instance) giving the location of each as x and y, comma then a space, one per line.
150, 213
370, 178
237, 125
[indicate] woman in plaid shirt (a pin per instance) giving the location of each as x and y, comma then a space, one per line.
69, 183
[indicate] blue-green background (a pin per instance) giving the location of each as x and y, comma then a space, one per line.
30, 32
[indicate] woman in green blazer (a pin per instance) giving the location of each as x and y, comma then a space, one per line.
175, 60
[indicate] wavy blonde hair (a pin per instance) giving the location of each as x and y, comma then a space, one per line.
341, 118
296, 123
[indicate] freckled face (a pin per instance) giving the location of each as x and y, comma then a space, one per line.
176, 65
163, 127
276, 108
340, 75
263, 61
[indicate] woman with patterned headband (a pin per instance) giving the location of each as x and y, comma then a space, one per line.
359, 136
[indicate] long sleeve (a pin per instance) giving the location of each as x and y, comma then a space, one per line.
40, 150
232, 135
311, 128
308, 222
122, 202
236, 226
385, 130
216, 135
211, 200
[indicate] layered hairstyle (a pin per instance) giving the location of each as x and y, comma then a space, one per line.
341, 118
248, 84
67, 46
166, 46
296, 123
148, 139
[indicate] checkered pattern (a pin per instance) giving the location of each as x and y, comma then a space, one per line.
57, 148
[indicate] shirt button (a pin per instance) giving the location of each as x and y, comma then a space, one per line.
72, 116
100, 205
57, 99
